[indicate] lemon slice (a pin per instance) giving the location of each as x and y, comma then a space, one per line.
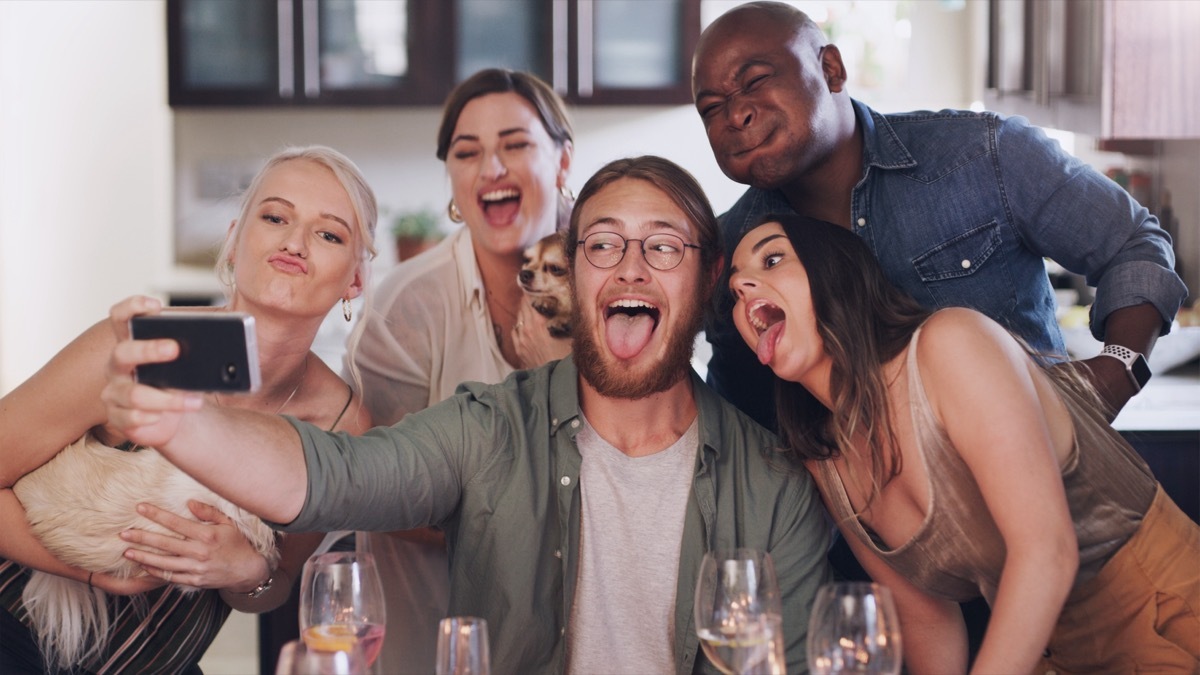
331, 637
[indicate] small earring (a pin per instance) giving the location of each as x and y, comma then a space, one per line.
453, 212
346, 310
566, 191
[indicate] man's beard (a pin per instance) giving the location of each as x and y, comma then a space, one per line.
613, 380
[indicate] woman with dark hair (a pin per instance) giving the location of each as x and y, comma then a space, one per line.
456, 312
956, 464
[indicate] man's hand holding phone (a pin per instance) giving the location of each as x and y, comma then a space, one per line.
145, 414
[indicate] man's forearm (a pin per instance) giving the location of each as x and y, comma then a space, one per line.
254, 460
1136, 327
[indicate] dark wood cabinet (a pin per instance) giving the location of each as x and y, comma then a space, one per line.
413, 52
1113, 69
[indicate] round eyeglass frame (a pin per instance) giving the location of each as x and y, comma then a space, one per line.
683, 246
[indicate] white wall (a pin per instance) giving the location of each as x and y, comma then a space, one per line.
85, 165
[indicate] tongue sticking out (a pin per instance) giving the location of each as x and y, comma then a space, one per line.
767, 341
628, 334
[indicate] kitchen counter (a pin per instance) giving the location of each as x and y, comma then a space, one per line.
1170, 402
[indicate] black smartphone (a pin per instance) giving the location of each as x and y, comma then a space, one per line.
218, 351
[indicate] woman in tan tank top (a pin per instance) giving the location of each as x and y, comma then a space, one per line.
957, 465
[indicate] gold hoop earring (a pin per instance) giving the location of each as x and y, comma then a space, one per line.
566, 191
346, 310
453, 212
225, 274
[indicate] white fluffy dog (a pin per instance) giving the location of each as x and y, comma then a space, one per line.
77, 503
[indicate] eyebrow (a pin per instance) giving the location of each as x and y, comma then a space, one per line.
657, 224
327, 216
758, 247
737, 75
474, 137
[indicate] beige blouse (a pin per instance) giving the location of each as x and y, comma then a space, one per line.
428, 330
958, 553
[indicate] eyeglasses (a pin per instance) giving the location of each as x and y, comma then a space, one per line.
662, 251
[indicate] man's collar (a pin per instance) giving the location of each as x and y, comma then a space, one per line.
881, 146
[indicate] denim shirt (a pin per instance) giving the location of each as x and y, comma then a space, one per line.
960, 208
497, 468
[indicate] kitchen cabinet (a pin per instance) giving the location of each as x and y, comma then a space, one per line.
1112, 69
304, 52
413, 52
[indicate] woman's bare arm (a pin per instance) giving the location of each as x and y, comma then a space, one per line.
982, 387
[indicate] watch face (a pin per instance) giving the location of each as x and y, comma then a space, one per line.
1141, 371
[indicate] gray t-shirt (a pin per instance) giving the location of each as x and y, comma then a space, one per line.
623, 619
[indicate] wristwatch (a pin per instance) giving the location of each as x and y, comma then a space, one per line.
261, 588
1135, 364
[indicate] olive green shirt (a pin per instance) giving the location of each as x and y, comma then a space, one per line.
496, 467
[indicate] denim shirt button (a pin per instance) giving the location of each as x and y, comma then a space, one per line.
558, 553
966, 264
862, 222
574, 424
565, 480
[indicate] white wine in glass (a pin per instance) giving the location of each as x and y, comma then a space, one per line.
854, 629
341, 604
738, 612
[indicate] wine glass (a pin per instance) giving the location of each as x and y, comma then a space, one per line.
854, 629
296, 658
462, 646
739, 613
341, 604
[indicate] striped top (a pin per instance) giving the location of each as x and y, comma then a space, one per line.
161, 631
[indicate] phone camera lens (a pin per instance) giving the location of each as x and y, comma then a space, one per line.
231, 373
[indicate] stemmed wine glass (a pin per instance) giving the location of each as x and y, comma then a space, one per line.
341, 604
739, 612
462, 646
854, 629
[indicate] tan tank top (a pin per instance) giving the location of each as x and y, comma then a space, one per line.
958, 553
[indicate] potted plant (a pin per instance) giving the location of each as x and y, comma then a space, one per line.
415, 231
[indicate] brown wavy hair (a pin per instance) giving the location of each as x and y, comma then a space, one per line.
864, 322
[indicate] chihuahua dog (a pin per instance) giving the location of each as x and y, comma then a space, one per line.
76, 504
543, 278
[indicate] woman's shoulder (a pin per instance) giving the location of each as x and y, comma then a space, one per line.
957, 327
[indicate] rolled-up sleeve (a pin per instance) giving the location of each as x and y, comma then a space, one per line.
1081, 219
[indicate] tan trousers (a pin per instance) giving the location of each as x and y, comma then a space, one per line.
1141, 613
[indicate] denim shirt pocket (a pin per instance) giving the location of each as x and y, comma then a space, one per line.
967, 271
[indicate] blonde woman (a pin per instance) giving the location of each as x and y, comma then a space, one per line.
299, 247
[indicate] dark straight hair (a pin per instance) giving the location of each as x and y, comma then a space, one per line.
549, 106
864, 322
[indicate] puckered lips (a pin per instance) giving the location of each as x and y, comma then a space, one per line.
500, 205
287, 263
767, 320
628, 325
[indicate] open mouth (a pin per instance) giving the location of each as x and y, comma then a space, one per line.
500, 205
768, 321
629, 323
762, 315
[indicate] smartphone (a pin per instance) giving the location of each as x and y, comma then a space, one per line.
218, 351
